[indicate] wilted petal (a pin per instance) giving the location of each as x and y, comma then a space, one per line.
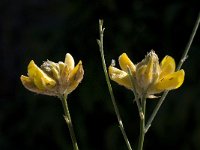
171, 81
167, 66
148, 71
40, 79
75, 77
141, 80
119, 76
28, 83
125, 62
51, 69
69, 61
148, 75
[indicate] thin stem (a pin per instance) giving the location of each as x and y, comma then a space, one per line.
100, 43
155, 111
68, 120
183, 58
142, 123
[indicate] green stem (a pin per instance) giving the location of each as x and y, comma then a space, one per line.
155, 111
187, 48
183, 58
68, 120
100, 43
142, 123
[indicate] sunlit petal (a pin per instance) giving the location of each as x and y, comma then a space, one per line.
125, 62
28, 83
171, 81
69, 61
75, 77
40, 79
167, 66
119, 76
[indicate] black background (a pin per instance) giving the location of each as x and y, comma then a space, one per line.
48, 29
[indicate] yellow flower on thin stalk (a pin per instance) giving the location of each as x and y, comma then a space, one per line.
54, 79
149, 76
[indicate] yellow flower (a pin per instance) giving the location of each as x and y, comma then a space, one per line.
54, 79
148, 76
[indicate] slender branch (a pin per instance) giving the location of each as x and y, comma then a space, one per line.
183, 58
155, 111
100, 43
68, 120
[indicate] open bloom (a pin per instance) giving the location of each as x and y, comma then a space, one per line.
54, 79
148, 76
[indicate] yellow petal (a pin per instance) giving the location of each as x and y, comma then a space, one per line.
119, 76
171, 81
75, 77
28, 83
61, 66
56, 74
40, 79
69, 61
167, 66
125, 62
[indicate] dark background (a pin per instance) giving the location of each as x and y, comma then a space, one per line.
42, 29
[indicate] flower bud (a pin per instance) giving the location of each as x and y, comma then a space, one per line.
147, 71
